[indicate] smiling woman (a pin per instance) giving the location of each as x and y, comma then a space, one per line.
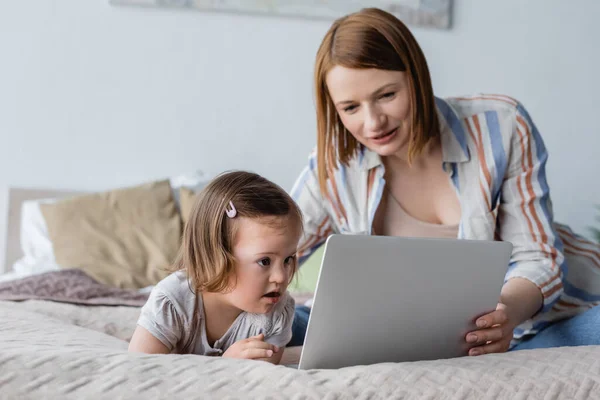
393, 159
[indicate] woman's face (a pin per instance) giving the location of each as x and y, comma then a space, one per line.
374, 106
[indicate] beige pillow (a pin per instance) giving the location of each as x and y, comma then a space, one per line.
125, 237
187, 199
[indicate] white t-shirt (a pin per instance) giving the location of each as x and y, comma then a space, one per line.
168, 316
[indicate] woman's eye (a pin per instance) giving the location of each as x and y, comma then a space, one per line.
388, 95
349, 109
265, 262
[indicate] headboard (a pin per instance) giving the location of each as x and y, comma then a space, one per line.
16, 197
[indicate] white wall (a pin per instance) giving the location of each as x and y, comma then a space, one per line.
93, 96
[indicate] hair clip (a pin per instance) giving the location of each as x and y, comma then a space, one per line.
231, 212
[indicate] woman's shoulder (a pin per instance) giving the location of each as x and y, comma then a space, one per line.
503, 115
357, 166
478, 103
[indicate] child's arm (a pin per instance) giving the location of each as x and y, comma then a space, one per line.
142, 341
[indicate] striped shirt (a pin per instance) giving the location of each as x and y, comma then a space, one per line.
495, 158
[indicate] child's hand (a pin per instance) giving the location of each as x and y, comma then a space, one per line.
252, 348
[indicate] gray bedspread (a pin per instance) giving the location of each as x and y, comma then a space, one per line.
66, 351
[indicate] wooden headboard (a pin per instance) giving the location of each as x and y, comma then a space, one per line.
16, 197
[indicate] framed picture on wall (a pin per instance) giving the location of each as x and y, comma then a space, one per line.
425, 13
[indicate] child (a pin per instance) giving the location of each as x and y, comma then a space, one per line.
227, 296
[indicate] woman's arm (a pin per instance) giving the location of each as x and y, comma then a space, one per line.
534, 279
522, 298
526, 218
317, 223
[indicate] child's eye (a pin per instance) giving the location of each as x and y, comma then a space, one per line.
265, 262
289, 260
388, 95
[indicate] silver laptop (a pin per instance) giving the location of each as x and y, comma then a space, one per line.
391, 299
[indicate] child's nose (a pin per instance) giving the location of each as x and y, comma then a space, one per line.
279, 274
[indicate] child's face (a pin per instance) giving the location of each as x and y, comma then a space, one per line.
265, 251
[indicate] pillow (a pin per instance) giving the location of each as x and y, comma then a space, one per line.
38, 255
124, 237
187, 198
35, 243
195, 182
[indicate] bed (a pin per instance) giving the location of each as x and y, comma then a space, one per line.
64, 335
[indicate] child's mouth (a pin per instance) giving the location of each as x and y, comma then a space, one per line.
273, 297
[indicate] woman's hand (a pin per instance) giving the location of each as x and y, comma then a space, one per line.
519, 301
495, 331
253, 348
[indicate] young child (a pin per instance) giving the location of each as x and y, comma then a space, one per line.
227, 296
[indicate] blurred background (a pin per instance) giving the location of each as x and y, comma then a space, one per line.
95, 96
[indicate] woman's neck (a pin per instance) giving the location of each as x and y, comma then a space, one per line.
430, 156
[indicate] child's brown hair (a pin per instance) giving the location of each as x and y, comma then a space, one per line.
206, 252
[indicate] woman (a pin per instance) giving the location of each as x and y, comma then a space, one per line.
392, 159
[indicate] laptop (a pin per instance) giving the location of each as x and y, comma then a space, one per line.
392, 299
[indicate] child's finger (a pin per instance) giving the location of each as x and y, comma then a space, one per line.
260, 336
253, 353
257, 344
